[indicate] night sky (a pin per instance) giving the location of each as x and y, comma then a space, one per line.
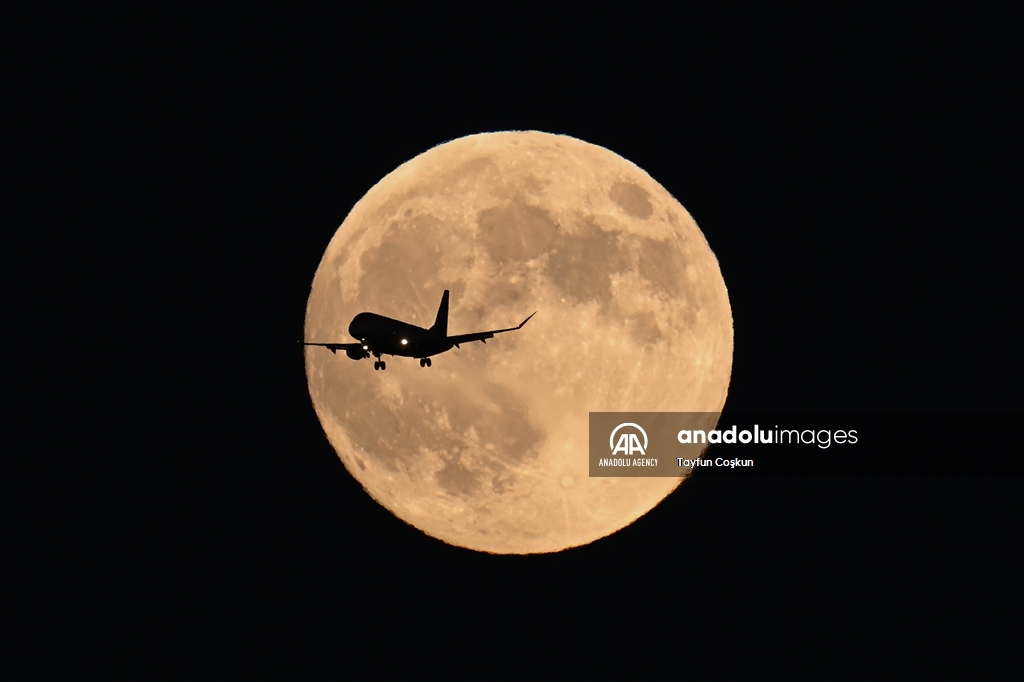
172, 174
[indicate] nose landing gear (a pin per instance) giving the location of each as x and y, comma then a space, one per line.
424, 362
380, 364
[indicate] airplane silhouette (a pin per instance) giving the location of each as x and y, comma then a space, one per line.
379, 335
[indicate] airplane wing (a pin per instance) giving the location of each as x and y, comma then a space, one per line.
483, 336
335, 347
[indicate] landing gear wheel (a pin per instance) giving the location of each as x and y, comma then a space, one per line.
383, 366
423, 362
376, 365
427, 360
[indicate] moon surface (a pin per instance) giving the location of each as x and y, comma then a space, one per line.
488, 449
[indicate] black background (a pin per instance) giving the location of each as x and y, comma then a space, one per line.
171, 177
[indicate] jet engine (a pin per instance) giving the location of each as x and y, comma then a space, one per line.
357, 353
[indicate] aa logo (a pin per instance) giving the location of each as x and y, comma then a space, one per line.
628, 444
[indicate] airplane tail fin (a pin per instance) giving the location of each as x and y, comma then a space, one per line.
441, 321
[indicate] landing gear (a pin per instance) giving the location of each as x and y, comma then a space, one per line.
380, 364
424, 362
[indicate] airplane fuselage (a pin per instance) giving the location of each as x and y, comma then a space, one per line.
386, 336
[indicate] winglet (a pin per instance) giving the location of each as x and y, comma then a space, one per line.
526, 320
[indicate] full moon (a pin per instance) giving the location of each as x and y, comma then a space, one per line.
488, 448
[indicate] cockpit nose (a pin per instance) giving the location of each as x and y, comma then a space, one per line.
358, 327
